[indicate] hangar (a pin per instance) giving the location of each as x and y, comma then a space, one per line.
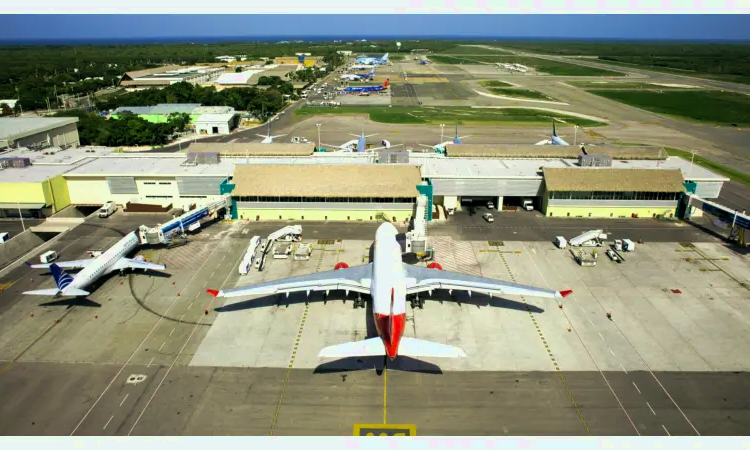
39, 132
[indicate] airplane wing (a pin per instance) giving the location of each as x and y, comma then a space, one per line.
79, 264
380, 148
127, 263
544, 142
421, 279
355, 279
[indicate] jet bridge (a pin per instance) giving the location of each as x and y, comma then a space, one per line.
738, 221
190, 221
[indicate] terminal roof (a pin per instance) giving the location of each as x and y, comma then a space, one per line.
12, 128
253, 149
552, 151
605, 179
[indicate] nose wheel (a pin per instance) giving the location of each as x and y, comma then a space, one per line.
416, 302
359, 302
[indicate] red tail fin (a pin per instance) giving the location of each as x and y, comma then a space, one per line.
385, 85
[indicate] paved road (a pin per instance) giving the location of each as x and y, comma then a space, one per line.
14, 226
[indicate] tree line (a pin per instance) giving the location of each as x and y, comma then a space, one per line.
127, 131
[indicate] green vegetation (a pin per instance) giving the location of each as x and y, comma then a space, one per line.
707, 106
495, 84
429, 115
520, 93
471, 50
732, 174
619, 85
129, 130
727, 62
396, 57
538, 64
262, 103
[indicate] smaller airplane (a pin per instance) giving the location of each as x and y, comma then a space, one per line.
360, 144
268, 139
367, 88
111, 260
455, 141
355, 77
554, 139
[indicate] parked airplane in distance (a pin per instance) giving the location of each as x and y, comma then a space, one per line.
383, 86
360, 144
111, 260
355, 77
554, 139
388, 280
268, 139
455, 141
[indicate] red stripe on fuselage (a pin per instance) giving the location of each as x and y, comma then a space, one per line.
390, 329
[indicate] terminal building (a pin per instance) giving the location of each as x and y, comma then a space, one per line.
296, 182
164, 76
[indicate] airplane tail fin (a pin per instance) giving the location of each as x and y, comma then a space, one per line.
62, 278
385, 84
368, 347
554, 131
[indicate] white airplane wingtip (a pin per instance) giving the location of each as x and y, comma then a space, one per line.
419, 348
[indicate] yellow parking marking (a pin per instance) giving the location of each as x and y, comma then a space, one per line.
363, 429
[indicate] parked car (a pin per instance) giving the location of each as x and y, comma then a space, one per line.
488, 217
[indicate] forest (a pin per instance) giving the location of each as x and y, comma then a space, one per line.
128, 130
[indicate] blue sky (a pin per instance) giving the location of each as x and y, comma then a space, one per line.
721, 27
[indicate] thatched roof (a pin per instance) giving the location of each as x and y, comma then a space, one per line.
252, 149
326, 180
552, 151
614, 180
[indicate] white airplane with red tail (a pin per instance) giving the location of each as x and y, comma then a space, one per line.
388, 280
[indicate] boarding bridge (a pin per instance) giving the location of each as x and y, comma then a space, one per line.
190, 221
416, 239
591, 238
739, 221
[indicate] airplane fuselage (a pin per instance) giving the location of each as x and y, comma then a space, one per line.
388, 289
104, 263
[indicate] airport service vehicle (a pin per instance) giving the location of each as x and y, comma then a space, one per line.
107, 209
628, 245
591, 238
388, 280
268, 139
554, 139
488, 217
490, 205
528, 205
111, 260
4, 237
560, 242
618, 245
249, 258
281, 252
48, 257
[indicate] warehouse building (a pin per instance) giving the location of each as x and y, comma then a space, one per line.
164, 76
38, 132
325, 192
215, 123
206, 119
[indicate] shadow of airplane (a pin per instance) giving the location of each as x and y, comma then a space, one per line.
358, 363
73, 301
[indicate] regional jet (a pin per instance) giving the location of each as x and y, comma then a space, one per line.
268, 139
388, 280
381, 87
111, 260
360, 144
554, 139
455, 141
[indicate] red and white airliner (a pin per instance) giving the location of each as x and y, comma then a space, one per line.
388, 280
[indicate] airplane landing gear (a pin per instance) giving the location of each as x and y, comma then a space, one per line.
416, 302
359, 302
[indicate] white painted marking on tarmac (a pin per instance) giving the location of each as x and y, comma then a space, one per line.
110, 420
584, 311
665, 429
123, 400
613, 353
592, 323
170, 333
600, 335
652, 409
636, 387
212, 273
191, 305
149, 363
162, 345
623, 369
181, 317
139, 347
204, 284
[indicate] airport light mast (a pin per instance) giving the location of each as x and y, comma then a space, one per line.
318, 125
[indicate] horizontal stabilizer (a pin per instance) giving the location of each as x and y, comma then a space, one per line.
419, 348
368, 347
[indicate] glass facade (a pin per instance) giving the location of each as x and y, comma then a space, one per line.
625, 196
324, 199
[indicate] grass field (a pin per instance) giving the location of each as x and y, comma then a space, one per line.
495, 84
427, 115
689, 73
538, 64
619, 85
723, 108
732, 174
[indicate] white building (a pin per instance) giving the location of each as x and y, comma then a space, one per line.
38, 131
215, 123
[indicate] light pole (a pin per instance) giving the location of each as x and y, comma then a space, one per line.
318, 125
692, 157
442, 128
20, 215
575, 135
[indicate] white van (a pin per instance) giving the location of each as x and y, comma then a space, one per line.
4, 237
48, 257
107, 209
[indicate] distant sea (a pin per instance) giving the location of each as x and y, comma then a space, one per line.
272, 39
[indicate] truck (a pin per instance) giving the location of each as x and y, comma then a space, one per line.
628, 245
282, 252
584, 259
303, 252
249, 258
107, 209
560, 242
48, 257
527, 204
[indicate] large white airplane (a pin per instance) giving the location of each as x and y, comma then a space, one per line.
554, 139
455, 141
355, 77
268, 139
111, 260
388, 280
360, 144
